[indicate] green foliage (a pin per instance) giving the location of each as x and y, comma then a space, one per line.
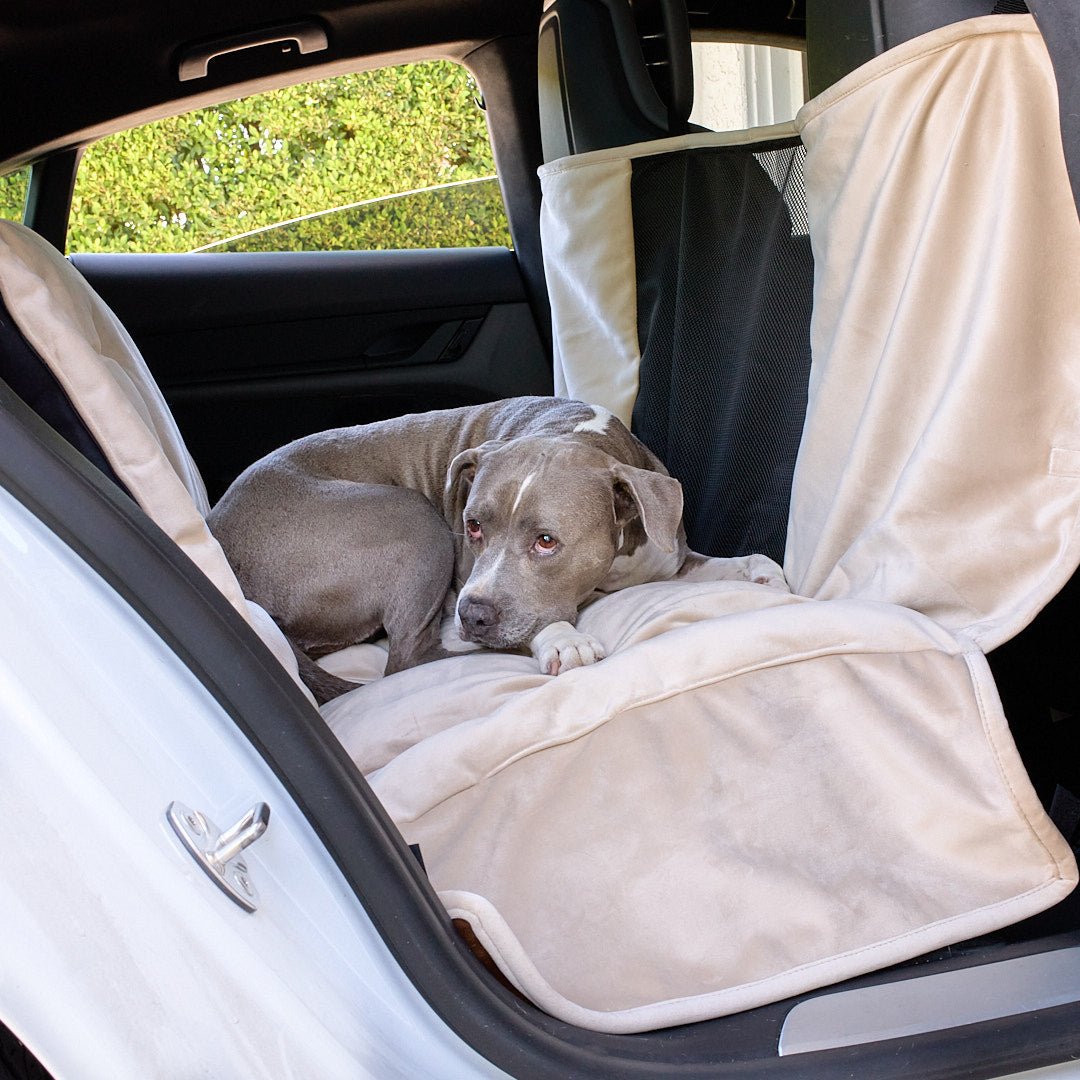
189, 181
459, 216
13, 194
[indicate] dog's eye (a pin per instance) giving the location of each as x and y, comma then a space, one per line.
545, 543
474, 529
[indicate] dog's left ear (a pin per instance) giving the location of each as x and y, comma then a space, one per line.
657, 499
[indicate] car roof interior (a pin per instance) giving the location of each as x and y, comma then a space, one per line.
73, 56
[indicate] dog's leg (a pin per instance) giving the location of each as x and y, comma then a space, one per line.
413, 607
560, 647
346, 560
410, 598
757, 568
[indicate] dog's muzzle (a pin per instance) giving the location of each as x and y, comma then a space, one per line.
478, 620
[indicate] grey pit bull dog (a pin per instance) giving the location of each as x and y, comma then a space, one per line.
511, 515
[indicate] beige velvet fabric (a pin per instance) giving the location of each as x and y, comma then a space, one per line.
940, 464
756, 793
588, 244
95, 360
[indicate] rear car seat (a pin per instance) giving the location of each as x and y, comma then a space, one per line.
727, 865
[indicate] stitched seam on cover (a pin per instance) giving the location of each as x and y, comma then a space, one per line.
1002, 772
810, 965
711, 140
787, 972
476, 920
902, 62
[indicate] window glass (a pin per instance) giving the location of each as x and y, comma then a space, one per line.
739, 86
393, 158
13, 188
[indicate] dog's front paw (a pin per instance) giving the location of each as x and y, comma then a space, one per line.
560, 647
764, 571
759, 569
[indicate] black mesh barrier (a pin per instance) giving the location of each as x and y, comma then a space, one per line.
725, 282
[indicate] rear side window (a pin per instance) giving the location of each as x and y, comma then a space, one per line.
13, 188
739, 86
393, 158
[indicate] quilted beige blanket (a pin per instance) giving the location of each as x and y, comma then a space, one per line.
758, 793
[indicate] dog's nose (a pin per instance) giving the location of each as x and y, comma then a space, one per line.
477, 615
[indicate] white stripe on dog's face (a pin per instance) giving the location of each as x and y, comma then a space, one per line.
521, 491
487, 576
600, 419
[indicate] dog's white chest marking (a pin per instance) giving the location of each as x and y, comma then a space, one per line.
600, 419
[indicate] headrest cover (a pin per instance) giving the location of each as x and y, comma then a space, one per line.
612, 73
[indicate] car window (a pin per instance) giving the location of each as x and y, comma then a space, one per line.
739, 86
398, 157
459, 213
13, 188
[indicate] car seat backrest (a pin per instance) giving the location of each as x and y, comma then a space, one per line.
940, 463
23, 371
680, 276
612, 73
70, 358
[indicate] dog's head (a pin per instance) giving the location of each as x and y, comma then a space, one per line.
542, 520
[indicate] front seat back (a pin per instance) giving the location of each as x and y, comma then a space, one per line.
66, 351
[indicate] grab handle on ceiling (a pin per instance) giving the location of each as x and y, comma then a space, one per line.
307, 36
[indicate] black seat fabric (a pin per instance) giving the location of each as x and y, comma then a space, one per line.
725, 283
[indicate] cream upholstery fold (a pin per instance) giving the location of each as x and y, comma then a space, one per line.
756, 793
939, 467
95, 360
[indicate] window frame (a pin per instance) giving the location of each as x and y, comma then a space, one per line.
505, 70
757, 41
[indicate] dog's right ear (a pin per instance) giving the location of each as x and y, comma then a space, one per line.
463, 467
655, 498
